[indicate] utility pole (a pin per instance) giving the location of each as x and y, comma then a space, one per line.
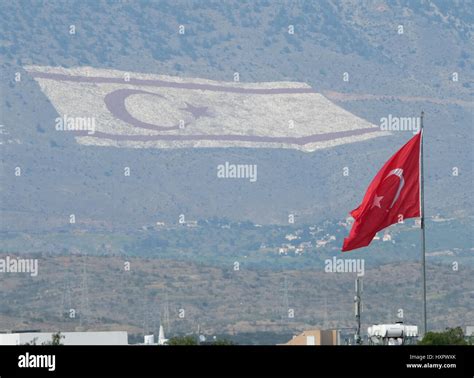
357, 308
422, 219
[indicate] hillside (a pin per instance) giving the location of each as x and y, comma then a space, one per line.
146, 187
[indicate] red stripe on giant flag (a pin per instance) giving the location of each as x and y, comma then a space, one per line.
393, 195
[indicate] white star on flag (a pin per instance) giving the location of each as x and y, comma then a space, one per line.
377, 200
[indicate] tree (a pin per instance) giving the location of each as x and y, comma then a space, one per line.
55, 339
452, 336
183, 340
192, 340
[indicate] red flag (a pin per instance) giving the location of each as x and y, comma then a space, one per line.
393, 195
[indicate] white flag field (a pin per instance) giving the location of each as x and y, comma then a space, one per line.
105, 107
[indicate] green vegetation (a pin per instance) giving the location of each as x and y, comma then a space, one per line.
192, 340
220, 242
56, 339
183, 340
452, 336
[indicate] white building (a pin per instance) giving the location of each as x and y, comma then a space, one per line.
70, 338
150, 339
387, 237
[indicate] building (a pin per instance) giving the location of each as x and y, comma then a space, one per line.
387, 237
70, 338
150, 339
316, 337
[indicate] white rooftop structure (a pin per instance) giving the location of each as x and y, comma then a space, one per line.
392, 334
149, 340
70, 338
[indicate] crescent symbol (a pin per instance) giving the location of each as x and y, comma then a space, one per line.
399, 173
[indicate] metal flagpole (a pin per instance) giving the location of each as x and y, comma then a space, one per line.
422, 219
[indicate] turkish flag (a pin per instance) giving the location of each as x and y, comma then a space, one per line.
392, 196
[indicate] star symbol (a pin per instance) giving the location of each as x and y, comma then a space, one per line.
377, 200
197, 111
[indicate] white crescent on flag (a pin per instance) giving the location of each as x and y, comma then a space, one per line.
399, 173
155, 111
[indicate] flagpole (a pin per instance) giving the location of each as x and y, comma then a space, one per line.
422, 219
